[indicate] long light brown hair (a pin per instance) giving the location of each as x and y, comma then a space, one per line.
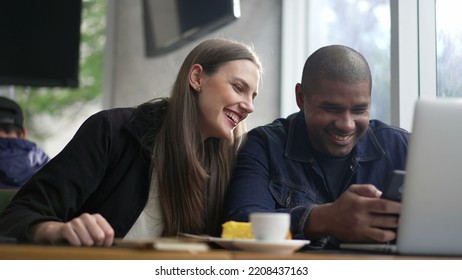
193, 174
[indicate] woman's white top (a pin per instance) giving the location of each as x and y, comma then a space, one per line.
150, 223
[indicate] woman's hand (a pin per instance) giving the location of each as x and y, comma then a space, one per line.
85, 230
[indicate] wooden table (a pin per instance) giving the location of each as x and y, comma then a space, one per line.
46, 252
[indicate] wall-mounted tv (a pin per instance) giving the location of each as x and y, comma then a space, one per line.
170, 24
39, 42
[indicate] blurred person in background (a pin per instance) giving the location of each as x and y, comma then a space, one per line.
19, 157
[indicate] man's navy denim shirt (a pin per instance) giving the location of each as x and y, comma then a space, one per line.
276, 170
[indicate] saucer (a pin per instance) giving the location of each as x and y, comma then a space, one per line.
279, 247
252, 245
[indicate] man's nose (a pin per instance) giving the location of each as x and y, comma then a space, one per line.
345, 122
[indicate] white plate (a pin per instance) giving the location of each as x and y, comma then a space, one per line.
225, 243
280, 247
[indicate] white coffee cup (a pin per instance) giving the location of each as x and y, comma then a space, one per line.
270, 226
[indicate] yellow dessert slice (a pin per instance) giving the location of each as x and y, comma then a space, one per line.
237, 230
240, 230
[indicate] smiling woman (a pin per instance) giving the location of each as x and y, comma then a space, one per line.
226, 97
159, 169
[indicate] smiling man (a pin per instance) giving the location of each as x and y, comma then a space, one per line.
326, 164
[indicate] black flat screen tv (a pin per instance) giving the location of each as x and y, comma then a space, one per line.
170, 24
40, 42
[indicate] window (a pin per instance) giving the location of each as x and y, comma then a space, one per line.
337, 22
425, 55
449, 48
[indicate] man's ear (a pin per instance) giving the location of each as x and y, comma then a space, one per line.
300, 96
23, 133
195, 75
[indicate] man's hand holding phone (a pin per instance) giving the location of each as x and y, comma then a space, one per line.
394, 186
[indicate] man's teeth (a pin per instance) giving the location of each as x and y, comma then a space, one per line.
341, 138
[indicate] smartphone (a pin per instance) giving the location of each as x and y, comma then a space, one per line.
394, 185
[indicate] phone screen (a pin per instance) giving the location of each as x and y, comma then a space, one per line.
394, 186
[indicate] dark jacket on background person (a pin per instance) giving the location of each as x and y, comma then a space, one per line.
276, 169
110, 157
19, 160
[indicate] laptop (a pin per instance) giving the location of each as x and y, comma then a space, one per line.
431, 209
